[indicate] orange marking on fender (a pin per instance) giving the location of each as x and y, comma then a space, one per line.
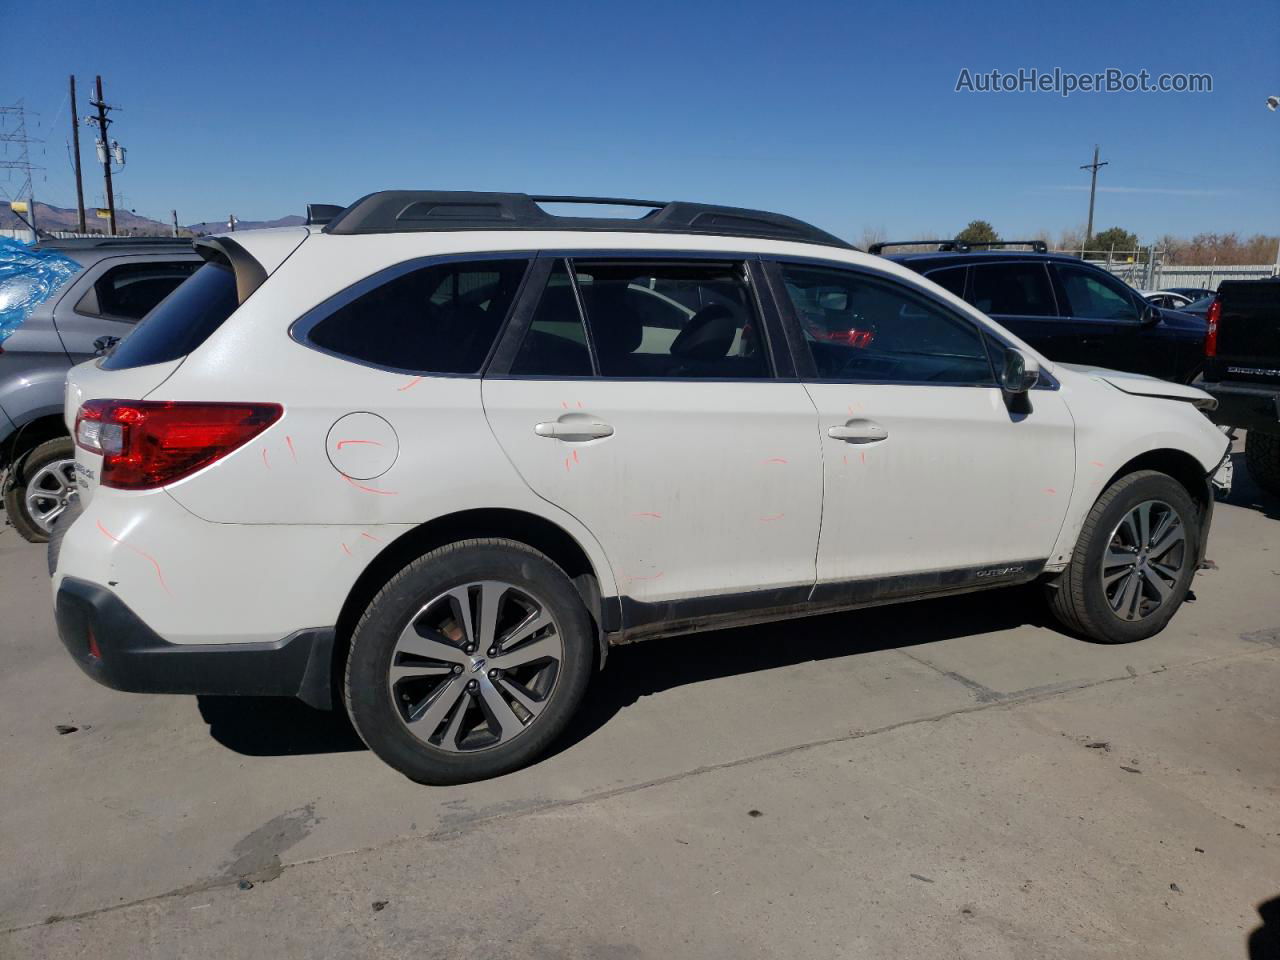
1097, 463
655, 516
360, 486
776, 516
343, 443
656, 576
1050, 490
369, 536
774, 460
575, 456
564, 404
410, 385
265, 462
346, 550
863, 455
566, 464
579, 404
141, 553
292, 452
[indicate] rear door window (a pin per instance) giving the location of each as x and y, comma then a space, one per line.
950, 279
1012, 289
663, 320
440, 318
181, 322
130, 291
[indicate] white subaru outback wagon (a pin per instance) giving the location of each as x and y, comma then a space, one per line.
433, 458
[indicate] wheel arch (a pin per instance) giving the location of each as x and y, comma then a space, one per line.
543, 535
47, 425
1179, 465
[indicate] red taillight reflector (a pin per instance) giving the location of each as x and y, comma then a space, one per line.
94, 650
1211, 334
146, 444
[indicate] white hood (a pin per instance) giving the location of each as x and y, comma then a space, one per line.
1141, 385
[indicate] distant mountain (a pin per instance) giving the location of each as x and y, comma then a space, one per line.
129, 224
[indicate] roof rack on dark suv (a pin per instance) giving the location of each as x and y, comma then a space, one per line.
403, 211
961, 246
104, 243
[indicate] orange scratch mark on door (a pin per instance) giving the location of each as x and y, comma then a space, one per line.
265, 462
410, 385
775, 460
370, 536
343, 443
292, 452
346, 550
654, 516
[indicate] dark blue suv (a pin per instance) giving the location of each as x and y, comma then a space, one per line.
1065, 307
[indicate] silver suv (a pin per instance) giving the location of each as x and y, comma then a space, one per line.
64, 301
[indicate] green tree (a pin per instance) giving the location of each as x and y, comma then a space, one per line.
1115, 238
978, 231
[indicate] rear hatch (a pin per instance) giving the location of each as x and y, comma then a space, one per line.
1248, 333
164, 337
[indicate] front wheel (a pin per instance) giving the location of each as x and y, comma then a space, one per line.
1133, 563
469, 662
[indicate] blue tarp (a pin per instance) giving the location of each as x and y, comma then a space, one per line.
27, 278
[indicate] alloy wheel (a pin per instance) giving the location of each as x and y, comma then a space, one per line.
49, 491
1144, 560
475, 666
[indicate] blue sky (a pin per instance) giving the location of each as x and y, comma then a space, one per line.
841, 113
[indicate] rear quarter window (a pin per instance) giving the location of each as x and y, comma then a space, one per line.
181, 322
440, 318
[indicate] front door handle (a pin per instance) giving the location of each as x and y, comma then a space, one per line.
858, 431
572, 430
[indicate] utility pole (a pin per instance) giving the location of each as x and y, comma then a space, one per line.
1093, 189
174, 214
75, 146
104, 152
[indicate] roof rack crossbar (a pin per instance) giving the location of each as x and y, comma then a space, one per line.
407, 211
960, 246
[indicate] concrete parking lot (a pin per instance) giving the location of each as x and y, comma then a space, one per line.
954, 778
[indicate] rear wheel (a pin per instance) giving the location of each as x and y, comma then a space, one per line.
1262, 454
1133, 564
43, 489
469, 662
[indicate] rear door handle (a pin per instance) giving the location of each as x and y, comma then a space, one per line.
858, 431
573, 429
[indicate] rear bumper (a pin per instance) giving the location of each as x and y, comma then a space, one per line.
111, 644
1251, 406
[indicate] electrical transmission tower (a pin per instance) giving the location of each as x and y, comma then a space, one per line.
17, 157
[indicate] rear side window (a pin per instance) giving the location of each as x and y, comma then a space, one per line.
672, 320
1018, 289
441, 318
130, 291
181, 322
951, 279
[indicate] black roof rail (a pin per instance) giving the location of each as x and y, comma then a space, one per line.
321, 213
408, 211
961, 246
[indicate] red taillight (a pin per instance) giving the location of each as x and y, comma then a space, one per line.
145, 444
1211, 334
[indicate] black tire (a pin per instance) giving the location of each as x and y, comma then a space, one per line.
15, 498
1262, 454
61, 523
1077, 597
377, 718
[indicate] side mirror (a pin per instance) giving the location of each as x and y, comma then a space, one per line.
1021, 372
104, 345
1150, 315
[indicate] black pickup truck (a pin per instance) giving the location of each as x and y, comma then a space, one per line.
1242, 370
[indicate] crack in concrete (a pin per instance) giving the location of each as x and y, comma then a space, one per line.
514, 810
